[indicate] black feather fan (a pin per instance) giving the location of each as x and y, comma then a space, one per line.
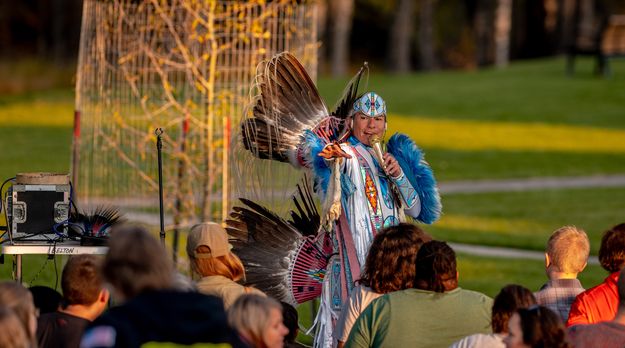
284, 259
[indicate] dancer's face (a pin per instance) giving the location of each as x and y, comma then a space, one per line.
366, 127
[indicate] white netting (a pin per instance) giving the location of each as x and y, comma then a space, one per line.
182, 65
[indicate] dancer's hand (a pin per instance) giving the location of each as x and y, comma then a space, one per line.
333, 150
392, 166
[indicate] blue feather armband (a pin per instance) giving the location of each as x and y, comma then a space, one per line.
318, 164
419, 173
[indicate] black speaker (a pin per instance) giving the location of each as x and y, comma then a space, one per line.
35, 210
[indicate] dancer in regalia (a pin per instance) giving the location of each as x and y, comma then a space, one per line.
363, 187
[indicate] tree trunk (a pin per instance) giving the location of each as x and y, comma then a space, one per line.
483, 32
5, 28
42, 12
567, 24
426, 35
322, 24
503, 24
587, 20
58, 19
341, 12
401, 36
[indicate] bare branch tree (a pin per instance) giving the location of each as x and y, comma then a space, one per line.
183, 66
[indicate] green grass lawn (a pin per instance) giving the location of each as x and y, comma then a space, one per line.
526, 219
461, 149
527, 91
525, 121
36, 270
36, 132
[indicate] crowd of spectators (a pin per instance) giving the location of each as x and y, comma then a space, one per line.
408, 296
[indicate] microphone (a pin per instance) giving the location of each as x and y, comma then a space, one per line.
376, 144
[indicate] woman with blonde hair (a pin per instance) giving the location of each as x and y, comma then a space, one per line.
211, 259
12, 334
258, 319
15, 297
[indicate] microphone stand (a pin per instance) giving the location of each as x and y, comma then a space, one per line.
159, 146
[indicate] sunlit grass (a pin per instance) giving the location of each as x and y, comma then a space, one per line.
46, 108
505, 226
39, 113
500, 164
527, 91
526, 219
468, 135
35, 132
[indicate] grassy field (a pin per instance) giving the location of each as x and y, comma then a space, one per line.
35, 132
525, 121
528, 91
526, 219
529, 120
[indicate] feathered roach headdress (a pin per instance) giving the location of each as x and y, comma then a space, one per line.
93, 227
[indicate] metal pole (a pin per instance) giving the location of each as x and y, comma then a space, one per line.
179, 182
18, 268
75, 151
159, 147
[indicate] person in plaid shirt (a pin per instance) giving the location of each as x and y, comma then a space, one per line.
566, 256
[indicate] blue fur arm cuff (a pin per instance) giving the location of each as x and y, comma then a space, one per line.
321, 171
419, 173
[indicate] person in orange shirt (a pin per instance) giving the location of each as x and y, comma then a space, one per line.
601, 302
606, 334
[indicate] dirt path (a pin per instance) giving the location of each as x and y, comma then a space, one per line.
478, 186
510, 253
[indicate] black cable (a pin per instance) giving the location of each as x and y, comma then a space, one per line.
36, 276
6, 213
2, 187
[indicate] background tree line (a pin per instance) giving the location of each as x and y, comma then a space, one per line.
403, 35
407, 35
